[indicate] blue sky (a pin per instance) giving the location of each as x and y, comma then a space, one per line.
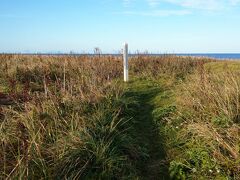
159, 26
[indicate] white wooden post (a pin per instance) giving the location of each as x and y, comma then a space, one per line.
125, 62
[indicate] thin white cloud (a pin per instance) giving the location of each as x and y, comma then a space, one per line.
191, 4
159, 13
127, 3
234, 2
198, 4
178, 7
153, 3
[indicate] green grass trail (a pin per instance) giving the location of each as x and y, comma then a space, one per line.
149, 96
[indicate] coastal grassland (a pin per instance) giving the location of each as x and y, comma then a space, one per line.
72, 117
204, 128
64, 119
196, 114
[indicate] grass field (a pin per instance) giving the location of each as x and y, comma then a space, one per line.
72, 117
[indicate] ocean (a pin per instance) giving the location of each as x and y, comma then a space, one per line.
221, 56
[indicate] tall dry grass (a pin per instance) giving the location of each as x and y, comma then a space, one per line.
64, 116
64, 120
209, 137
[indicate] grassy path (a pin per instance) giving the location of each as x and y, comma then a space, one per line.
148, 135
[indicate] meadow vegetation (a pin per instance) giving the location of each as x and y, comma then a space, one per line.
72, 117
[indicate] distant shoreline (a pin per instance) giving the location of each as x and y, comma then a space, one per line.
220, 56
